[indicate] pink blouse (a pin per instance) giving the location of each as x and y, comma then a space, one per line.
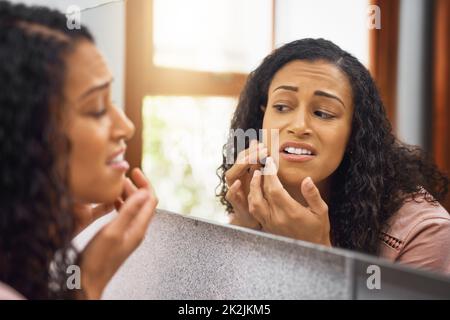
418, 235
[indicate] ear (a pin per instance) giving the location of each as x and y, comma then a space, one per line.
263, 108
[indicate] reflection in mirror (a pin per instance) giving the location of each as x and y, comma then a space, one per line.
343, 179
341, 171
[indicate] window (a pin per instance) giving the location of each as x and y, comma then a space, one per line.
183, 139
218, 36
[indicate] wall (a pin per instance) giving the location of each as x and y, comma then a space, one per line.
413, 103
107, 24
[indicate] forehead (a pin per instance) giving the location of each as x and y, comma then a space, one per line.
85, 68
317, 74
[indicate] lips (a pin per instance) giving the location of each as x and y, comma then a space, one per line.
116, 160
297, 151
116, 156
294, 148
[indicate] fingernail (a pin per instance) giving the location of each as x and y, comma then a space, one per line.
257, 173
309, 184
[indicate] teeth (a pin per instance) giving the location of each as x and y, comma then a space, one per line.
298, 151
119, 158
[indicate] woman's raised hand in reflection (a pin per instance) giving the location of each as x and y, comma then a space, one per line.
277, 212
238, 179
112, 245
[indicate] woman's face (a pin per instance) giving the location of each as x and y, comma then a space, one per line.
96, 128
312, 106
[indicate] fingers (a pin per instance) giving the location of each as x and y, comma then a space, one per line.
137, 210
129, 210
273, 189
140, 181
257, 205
140, 224
245, 153
312, 196
246, 159
139, 178
235, 196
252, 155
128, 188
238, 199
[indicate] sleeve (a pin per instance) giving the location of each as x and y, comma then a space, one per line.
428, 246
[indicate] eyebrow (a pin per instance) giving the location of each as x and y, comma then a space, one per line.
96, 88
317, 93
290, 88
328, 95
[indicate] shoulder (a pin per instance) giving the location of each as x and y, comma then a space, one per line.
8, 293
413, 215
419, 234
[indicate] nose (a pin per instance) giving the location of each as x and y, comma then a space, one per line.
123, 128
300, 124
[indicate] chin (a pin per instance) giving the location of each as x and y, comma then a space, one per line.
113, 192
293, 176
109, 196
100, 193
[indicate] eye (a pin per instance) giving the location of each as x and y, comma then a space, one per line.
99, 114
323, 115
281, 107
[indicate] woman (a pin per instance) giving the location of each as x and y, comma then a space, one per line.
343, 179
62, 143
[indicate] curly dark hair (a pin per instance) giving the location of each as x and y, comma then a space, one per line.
36, 220
378, 172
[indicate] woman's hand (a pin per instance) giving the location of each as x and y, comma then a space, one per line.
280, 214
85, 214
112, 245
238, 179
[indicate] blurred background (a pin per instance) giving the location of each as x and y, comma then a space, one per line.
179, 66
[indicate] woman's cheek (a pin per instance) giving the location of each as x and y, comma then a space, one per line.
334, 155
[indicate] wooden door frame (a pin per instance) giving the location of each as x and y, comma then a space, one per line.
143, 78
441, 88
383, 55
